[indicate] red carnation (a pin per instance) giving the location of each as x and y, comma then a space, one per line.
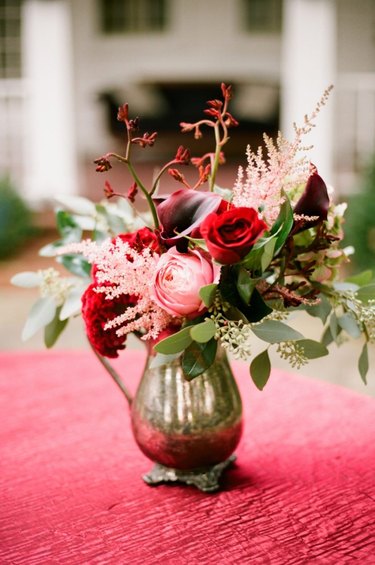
97, 310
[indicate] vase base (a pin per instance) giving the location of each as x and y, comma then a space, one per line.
205, 479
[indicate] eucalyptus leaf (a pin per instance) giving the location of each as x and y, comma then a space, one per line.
361, 279
27, 279
51, 249
348, 323
260, 369
53, 330
41, 314
363, 364
366, 293
77, 204
76, 264
207, 294
174, 343
72, 304
68, 228
274, 331
204, 331
327, 337
313, 349
321, 310
333, 325
197, 358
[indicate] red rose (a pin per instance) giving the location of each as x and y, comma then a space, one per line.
97, 310
230, 235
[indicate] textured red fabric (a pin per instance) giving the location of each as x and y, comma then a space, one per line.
301, 492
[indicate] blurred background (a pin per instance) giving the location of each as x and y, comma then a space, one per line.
66, 66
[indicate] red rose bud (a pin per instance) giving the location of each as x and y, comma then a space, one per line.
182, 155
313, 202
102, 165
132, 192
123, 113
226, 91
183, 211
230, 235
230, 121
108, 190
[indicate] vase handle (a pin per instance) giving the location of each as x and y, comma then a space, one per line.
115, 376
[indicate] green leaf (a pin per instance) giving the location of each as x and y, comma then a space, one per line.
72, 304
260, 369
348, 323
313, 349
253, 260
174, 343
26, 279
320, 310
51, 249
54, 329
41, 314
268, 253
366, 293
204, 331
363, 364
254, 311
327, 337
245, 285
361, 279
207, 294
274, 331
283, 224
77, 204
76, 265
197, 358
333, 325
68, 228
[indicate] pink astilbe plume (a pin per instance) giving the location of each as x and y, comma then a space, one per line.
121, 270
263, 182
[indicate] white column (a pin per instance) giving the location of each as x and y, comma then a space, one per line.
51, 161
308, 68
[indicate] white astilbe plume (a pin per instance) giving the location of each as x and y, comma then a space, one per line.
261, 185
119, 270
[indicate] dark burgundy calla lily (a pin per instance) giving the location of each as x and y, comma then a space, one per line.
313, 202
183, 211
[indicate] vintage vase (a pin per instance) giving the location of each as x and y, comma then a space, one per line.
190, 429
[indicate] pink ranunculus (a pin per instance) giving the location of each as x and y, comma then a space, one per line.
178, 279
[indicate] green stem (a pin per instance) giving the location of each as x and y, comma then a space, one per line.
146, 193
215, 164
160, 173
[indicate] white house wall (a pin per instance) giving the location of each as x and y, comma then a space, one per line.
203, 41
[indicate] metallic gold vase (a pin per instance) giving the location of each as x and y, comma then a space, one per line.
189, 428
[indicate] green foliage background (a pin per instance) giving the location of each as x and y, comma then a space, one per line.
360, 222
16, 225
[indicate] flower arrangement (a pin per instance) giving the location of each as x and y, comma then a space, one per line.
205, 264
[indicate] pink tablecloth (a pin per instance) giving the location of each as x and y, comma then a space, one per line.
302, 491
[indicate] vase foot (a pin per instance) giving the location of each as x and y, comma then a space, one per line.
205, 479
